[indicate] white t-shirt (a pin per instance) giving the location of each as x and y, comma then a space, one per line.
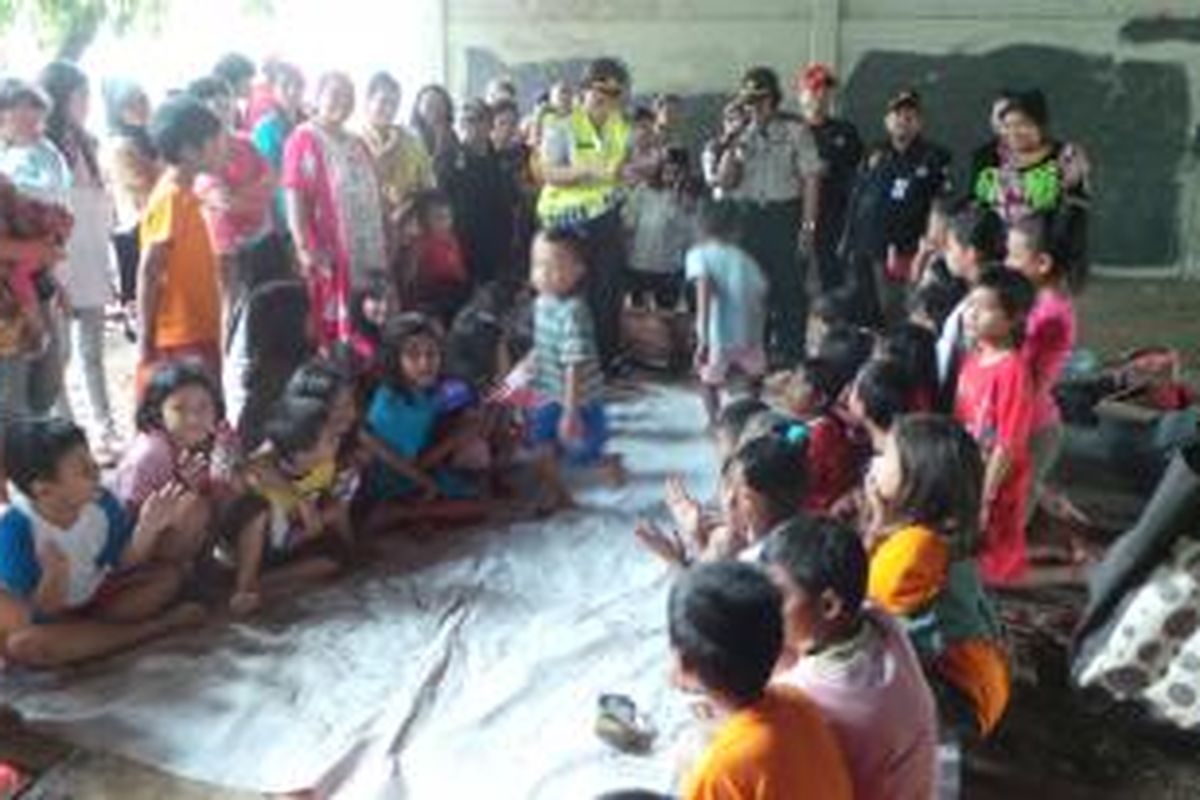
92, 546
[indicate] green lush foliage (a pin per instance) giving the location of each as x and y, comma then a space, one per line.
66, 27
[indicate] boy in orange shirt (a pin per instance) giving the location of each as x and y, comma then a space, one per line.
179, 293
726, 630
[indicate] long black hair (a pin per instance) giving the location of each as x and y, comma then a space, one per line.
168, 379
915, 348
60, 80
1050, 234
396, 334
418, 122
775, 465
941, 485
274, 351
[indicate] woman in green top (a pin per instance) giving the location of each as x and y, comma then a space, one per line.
1029, 172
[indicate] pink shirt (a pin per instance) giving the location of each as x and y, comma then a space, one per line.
152, 462
874, 695
1049, 340
241, 176
148, 465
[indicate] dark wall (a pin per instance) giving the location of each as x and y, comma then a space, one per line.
1132, 117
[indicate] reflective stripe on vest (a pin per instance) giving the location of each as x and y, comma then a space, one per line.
607, 149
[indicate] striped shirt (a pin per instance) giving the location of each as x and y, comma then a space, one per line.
563, 336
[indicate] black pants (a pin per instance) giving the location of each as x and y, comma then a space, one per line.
770, 233
830, 269
603, 243
125, 245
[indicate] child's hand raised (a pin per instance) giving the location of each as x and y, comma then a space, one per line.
684, 508
668, 548
164, 508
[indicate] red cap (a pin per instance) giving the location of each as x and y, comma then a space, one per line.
815, 77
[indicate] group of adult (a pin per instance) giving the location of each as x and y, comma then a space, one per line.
812, 192
809, 191
305, 186
301, 189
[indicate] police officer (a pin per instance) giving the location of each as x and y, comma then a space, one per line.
841, 149
898, 183
771, 170
582, 158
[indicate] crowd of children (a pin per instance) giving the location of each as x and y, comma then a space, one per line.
343, 331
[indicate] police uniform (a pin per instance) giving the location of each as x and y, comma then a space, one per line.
593, 209
841, 149
776, 158
890, 209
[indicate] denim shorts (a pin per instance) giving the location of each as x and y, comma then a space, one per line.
588, 448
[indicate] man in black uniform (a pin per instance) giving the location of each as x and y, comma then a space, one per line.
841, 149
890, 208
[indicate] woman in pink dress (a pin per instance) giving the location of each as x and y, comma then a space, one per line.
334, 208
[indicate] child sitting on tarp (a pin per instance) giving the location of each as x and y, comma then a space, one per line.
295, 523
428, 454
853, 660
809, 394
182, 439
726, 632
762, 484
78, 578
924, 496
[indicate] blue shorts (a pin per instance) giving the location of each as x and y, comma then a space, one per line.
543, 429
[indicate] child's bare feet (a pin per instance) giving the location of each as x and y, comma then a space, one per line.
612, 470
244, 603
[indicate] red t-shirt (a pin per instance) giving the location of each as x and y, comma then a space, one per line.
440, 260
995, 404
833, 463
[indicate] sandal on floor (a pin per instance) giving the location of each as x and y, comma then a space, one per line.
619, 723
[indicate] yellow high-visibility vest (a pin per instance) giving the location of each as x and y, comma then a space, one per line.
605, 148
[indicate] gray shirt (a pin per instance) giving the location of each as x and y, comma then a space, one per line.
776, 159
